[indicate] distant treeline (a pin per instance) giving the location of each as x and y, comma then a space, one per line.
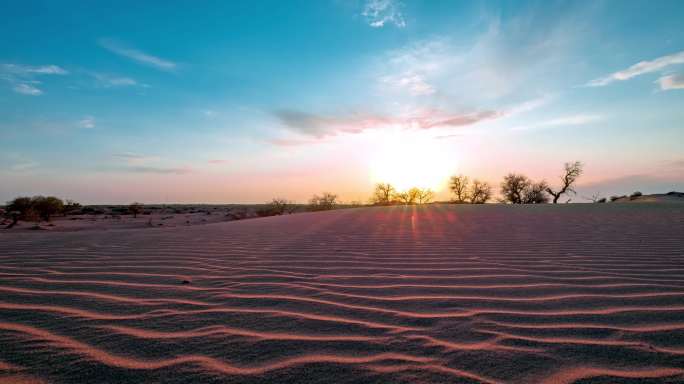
514, 189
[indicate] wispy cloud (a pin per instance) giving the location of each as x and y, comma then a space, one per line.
23, 77
379, 13
415, 83
670, 82
217, 161
87, 122
320, 126
158, 170
27, 89
137, 55
572, 120
638, 69
109, 81
134, 158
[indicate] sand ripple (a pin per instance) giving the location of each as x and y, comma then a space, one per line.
437, 294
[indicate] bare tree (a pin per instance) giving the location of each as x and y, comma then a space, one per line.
135, 209
480, 192
324, 202
595, 198
513, 188
425, 196
459, 186
572, 172
535, 193
383, 194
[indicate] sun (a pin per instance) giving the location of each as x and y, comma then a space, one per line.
408, 161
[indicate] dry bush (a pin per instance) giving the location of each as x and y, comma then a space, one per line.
135, 209
324, 202
535, 193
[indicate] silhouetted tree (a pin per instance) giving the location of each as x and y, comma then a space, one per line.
135, 209
425, 196
383, 194
459, 186
323, 203
513, 188
46, 207
19, 208
572, 172
535, 193
635, 195
480, 192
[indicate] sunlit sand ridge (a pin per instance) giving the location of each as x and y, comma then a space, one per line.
421, 294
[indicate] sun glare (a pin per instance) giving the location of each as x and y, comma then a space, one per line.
412, 161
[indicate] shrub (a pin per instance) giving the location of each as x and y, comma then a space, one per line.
635, 195
601, 200
45, 207
135, 209
277, 206
324, 202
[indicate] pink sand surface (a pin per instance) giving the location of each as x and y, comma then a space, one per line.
430, 294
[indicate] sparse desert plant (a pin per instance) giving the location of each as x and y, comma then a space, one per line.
383, 194
480, 192
594, 198
135, 209
635, 195
324, 202
277, 206
615, 197
535, 193
71, 207
572, 172
459, 186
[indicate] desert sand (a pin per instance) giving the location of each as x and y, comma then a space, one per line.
585, 293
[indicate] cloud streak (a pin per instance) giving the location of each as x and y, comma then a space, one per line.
320, 126
573, 120
137, 55
638, 69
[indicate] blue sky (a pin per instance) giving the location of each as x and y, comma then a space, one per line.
243, 101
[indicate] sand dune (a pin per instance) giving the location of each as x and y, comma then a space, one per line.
432, 294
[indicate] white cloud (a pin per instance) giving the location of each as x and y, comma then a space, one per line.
671, 82
27, 89
137, 55
22, 77
108, 81
415, 83
378, 13
87, 122
573, 120
639, 68
27, 70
